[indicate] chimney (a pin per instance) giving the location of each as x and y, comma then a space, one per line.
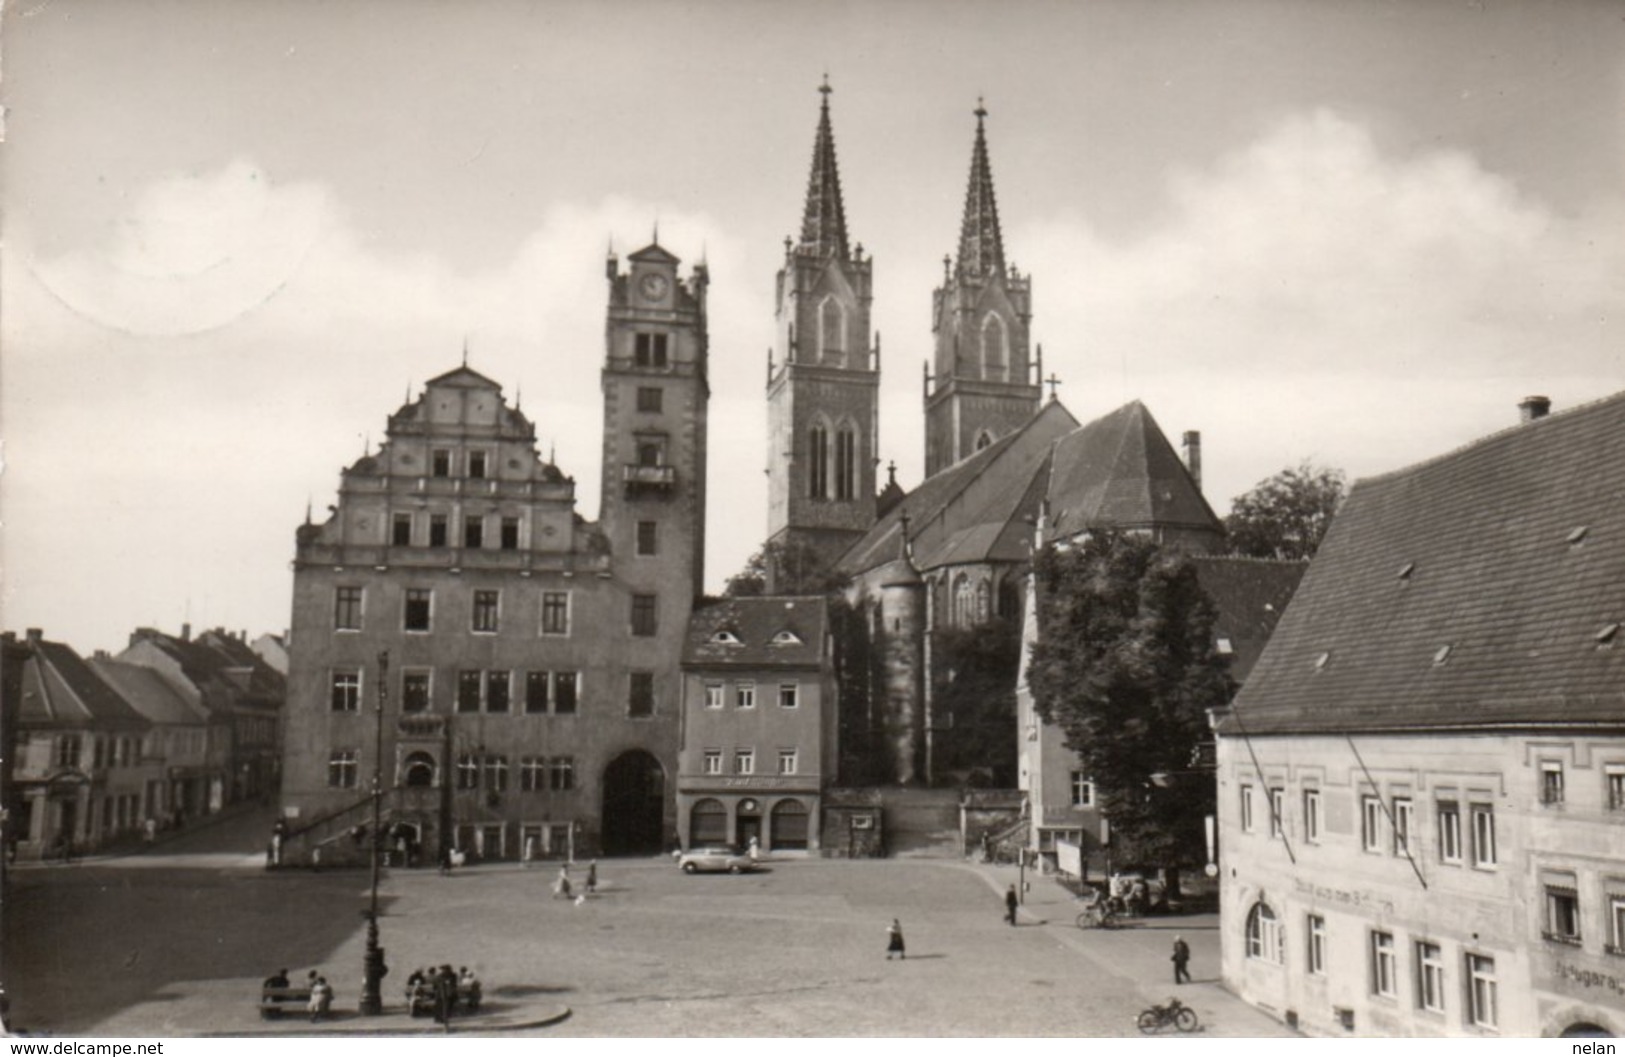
1193, 456
35, 636
186, 632
1533, 407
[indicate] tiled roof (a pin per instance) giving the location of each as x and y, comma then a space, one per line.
60, 689
766, 632
1469, 591
148, 692
465, 377
1250, 594
1119, 471
984, 492
218, 658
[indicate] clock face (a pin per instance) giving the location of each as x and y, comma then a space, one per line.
653, 287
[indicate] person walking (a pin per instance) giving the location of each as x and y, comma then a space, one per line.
1011, 902
1181, 958
592, 877
561, 888
894, 940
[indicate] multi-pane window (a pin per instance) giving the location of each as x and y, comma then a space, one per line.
1315, 950
555, 612
643, 615
496, 691
1551, 782
649, 399
1562, 914
468, 691
341, 769
744, 761
532, 774
440, 462
402, 531
745, 695
641, 699
1264, 940
418, 606
1481, 998
476, 464
1614, 776
713, 761
714, 693
566, 687
1404, 817
68, 750
347, 609
468, 771
1384, 971
485, 611
415, 691
788, 695
1277, 811
346, 690
474, 532
437, 530
1370, 823
1311, 816
1083, 790
1449, 831
561, 773
536, 692
1430, 977
787, 761
1246, 808
1483, 819
648, 538
510, 533
650, 350
496, 774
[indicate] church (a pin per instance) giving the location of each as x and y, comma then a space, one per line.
527, 683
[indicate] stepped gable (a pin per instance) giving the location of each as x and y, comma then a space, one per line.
61, 689
1250, 594
148, 692
970, 511
1509, 552
1119, 471
765, 631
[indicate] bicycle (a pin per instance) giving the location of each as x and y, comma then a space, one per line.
1101, 913
1177, 1013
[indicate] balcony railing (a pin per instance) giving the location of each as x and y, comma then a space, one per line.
643, 479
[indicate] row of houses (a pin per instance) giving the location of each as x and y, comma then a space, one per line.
106, 749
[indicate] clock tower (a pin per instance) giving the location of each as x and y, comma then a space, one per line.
823, 375
981, 384
656, 399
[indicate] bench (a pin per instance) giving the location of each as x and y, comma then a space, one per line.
274, 1001
420, 1000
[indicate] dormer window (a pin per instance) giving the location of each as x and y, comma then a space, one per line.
1323, 660
1224, 646
726, 638
787, 638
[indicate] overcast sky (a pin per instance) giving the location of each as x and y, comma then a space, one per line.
238, 234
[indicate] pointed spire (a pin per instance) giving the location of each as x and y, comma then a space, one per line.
465, 350
823, 226
981, 247
655, 239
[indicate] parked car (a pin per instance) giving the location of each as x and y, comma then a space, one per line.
716, 859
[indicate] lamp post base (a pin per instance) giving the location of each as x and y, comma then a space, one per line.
372, 972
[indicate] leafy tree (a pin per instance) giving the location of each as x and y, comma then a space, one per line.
791, 567
1287, 515
974, 681
1125, 665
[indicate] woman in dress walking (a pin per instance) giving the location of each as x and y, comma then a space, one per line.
894, 940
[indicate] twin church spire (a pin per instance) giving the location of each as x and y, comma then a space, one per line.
823, 225
981, 246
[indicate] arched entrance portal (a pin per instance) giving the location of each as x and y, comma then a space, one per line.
634, 804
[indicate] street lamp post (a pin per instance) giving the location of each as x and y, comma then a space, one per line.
373, 969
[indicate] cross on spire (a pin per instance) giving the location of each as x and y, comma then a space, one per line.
1053, 382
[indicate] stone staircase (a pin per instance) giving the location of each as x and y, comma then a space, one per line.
922, 823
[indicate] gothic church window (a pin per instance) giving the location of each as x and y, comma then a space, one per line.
993, 349
818, 462
846, 463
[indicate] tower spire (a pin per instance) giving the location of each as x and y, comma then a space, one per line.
823, 225
981, 247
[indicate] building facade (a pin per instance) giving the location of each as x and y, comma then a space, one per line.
759, 724
525, 660
1422, 785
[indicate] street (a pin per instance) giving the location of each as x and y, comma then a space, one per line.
177, 941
